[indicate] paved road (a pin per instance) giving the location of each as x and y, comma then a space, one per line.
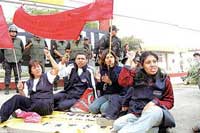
186, 109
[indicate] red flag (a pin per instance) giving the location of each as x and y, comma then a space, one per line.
58, 26
65, 25
101, 10
5, 40
104, 25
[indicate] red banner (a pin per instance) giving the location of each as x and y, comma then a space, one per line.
65, 25
5, 40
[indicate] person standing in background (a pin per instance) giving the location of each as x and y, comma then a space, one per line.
104, 42
9, 59
36, 45
75, 47
88, 48
58, 50
125, 50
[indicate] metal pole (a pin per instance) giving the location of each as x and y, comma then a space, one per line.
16, 64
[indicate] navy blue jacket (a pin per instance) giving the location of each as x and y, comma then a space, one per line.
113, 74
145, 89
75, 85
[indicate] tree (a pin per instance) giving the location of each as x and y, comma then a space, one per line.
132, 41
43, 11
91, 25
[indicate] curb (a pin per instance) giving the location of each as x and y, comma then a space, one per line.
13, 86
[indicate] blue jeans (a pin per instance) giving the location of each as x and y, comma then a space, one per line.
147, 122
100, 105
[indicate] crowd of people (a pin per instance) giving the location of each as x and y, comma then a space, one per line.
133, 94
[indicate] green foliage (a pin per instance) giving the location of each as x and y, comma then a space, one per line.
91, 25
35, 11
133, 42
193, 73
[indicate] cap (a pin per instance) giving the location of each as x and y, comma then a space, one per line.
12, 28
114, 28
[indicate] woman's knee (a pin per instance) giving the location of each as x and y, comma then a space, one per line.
155, 112
104, 107
17, 97
93, 108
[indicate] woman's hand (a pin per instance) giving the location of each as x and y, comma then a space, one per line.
148, 105
124, 108
106, 79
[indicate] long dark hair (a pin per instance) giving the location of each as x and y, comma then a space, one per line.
34, 63
104, 54
145, 54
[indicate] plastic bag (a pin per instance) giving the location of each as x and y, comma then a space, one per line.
29, 117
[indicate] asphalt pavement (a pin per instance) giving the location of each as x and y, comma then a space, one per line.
186, 109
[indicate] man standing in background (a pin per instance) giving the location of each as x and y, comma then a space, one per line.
87, 47
36, 45
104, 43
9, 59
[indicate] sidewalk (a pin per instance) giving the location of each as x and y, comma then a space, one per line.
186, 107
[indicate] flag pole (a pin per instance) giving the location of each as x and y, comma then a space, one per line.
110, 43
16, 64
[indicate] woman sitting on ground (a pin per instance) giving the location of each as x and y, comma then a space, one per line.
36, 94
107, 84
150, 89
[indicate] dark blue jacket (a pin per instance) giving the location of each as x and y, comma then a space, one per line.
113, 74
145, 89
75, 85
44, 89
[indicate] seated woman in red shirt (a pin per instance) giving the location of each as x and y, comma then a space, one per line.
148, 90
